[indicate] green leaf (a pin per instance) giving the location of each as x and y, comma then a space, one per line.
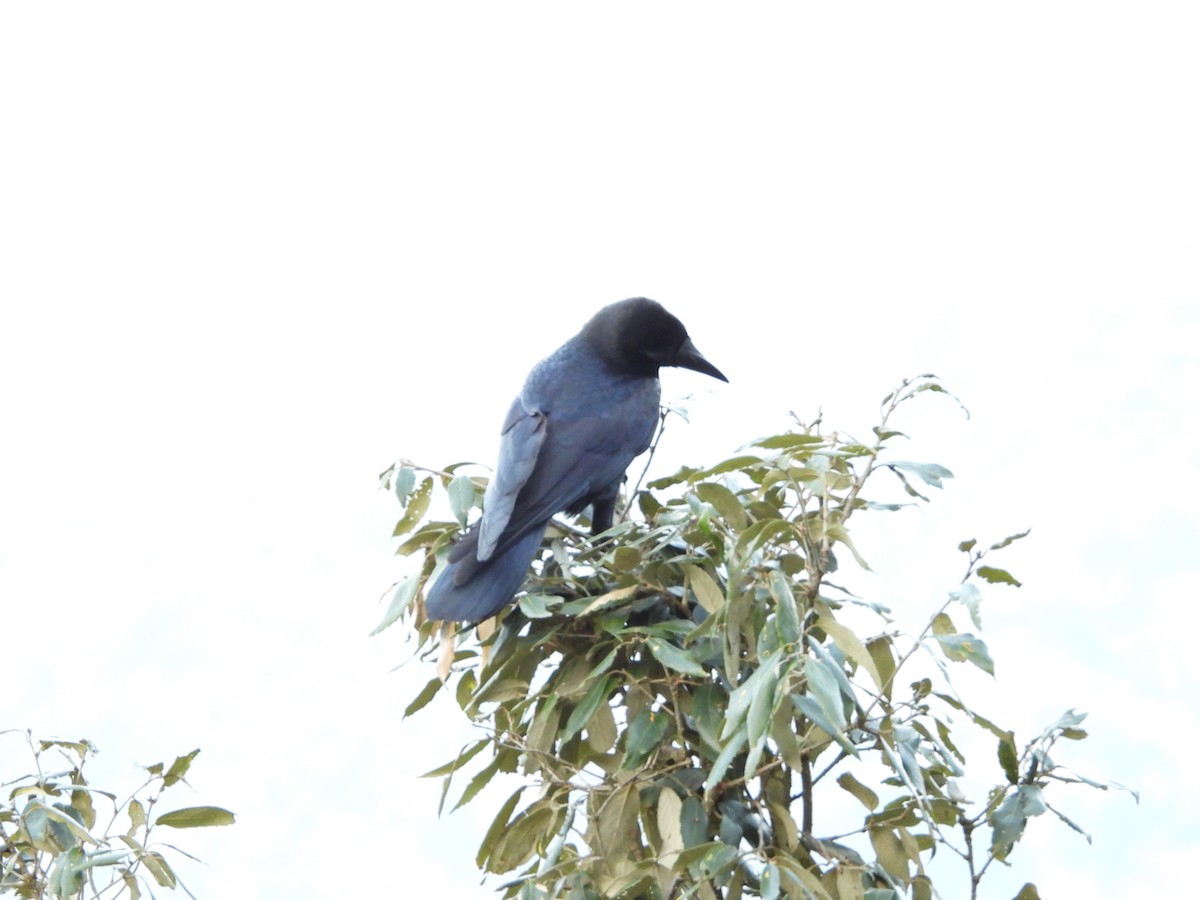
418, 504
674, 658
707, 713
975, 717
402, 483
714, 864
864, 794
823, 686
1008, 820
760, 533
817, 715
606, 600
645, 733
1069, 823
81, 800
693, 822
430, 536
159, 868
179, 768
626, 558
601, 729
196, 817
996, 576
1066, 723
741, 697
583, 710
669, 818
724, 501
967, 647
521, 839
768, 882
104, 858
930, 473
459, 761
137, 817
890, 852
604, 665
968, 545
707, 593
838, 533
968, 595
479, 781
943, 624
462, 497
1006, 752
799, 881
885, 662
787, 618
427, 693
758, 715
729, 465
50, 829
464, 693
616, 819
787, 441
539, 606
850, 644
66, 877
721, 764
499, 824
402, 598
999, 545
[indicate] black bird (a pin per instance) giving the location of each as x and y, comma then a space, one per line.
584, 413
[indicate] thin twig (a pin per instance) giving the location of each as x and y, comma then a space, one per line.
663, 412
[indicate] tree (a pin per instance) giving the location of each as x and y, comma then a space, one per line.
688, 704
54, 842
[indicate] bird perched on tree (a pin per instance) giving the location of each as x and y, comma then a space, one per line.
584, 413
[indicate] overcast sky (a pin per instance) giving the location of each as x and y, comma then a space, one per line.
251, 253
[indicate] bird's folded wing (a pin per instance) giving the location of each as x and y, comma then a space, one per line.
575, 459
522, 436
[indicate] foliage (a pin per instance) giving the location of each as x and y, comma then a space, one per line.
688, 700
50, 845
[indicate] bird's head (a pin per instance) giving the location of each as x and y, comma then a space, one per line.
638, 336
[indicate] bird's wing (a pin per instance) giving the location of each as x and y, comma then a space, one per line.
575, 459
522, 436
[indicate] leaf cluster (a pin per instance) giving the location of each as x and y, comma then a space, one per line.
687, 699
55, 842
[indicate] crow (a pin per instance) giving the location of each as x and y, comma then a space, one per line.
584, 413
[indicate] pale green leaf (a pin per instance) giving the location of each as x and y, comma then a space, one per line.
968, 595
196, 817
670, 826
461, 493
967, 648
996, 576
402, 598
865, 795
403, 482
179, 768
674, 658
707, 593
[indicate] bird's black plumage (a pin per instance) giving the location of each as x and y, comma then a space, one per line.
583, 415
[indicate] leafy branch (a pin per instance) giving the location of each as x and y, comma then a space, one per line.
686, 702
50, 845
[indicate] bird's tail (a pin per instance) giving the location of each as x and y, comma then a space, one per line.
488, 585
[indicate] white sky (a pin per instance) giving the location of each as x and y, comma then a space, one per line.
251, 252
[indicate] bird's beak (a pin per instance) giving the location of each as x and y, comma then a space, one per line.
688, 357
